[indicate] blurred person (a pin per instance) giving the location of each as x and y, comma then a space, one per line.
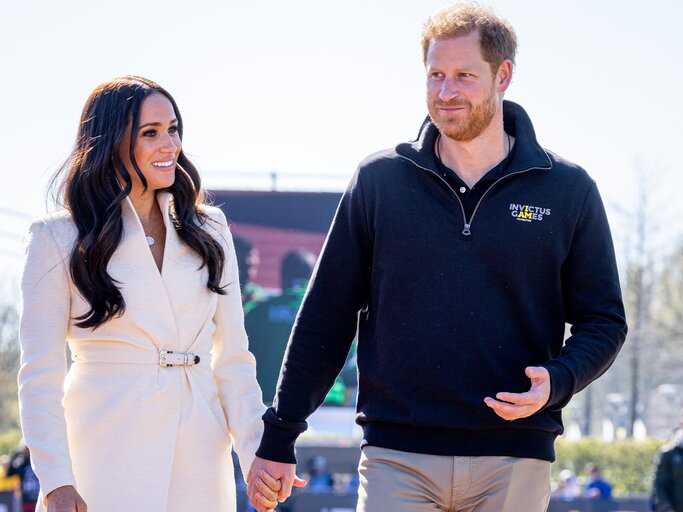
668, 483
139, 276
460, 257
248, 261
6, 483
269, 323
320, 479
568, 487
597, 486
20, 466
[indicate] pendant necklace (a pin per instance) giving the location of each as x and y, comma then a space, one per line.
150, 240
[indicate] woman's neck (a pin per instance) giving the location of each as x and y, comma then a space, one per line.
146, 207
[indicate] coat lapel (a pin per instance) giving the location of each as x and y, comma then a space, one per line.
185, 283
133, 267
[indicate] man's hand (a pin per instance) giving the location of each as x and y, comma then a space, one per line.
513, 406
269, 482
65, 499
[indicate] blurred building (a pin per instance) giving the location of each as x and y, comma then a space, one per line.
277, 222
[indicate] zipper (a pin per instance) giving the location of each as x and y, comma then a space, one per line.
466, 231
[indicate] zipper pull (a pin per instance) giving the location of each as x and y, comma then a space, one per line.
466, 230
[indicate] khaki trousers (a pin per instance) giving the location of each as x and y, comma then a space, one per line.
396, 481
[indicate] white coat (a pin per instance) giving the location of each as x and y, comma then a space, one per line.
129, 434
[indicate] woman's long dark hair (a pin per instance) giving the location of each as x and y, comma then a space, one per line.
89, 188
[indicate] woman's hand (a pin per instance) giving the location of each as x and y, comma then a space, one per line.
65, 499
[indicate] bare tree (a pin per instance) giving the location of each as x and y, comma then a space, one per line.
643, 255
667, 319
640, 279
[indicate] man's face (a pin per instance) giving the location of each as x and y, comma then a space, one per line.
463, 95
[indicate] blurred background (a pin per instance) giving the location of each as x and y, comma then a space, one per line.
281, 100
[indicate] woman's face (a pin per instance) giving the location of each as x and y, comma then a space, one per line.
157, 146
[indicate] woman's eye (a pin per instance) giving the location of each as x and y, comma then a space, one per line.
173, 129
149, 133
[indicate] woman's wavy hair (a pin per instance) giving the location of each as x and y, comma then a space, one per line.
89, 185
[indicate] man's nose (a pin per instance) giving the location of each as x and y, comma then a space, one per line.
449, 89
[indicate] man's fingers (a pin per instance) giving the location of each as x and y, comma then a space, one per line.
285, 490
536, 372
298, 482
271, 482
509, 411
278, 476
265, 490
532, 398
513, 406
513, 398
287, 485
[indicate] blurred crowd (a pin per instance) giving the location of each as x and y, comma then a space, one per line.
16, 475
569, 486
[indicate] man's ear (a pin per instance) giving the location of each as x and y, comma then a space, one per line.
504, 76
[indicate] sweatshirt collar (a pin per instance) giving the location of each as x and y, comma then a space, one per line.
528, 153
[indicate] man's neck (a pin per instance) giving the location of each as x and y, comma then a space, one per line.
472, 159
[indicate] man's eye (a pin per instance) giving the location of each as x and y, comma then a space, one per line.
466, 75
436, 75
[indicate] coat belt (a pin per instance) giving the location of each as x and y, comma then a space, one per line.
116, 352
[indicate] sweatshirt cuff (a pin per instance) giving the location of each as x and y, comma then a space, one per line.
279, 436
561, 385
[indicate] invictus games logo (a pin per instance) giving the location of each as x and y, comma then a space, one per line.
528, 213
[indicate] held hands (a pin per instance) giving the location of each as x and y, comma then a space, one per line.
269, 482
65, 499
513, 406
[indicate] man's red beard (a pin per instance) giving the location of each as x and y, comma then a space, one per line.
477, 118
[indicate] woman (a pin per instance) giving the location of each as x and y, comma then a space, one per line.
139, 276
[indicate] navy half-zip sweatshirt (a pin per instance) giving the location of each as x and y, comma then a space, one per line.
451, 309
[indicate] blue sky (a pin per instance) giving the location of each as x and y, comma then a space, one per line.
308, 88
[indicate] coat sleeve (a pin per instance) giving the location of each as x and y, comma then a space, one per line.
234, 367
592, 303
42, 332
324, 328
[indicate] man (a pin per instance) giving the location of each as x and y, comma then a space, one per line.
668, 485
248, 261
269, 323
597, 486
460, 255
